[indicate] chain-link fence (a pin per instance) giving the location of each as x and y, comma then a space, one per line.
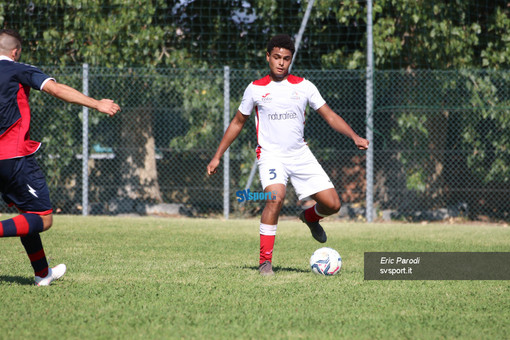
441, 142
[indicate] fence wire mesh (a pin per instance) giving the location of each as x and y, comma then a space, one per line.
440, 142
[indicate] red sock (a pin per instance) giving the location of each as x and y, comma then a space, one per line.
311, 215
266, 248
267, 237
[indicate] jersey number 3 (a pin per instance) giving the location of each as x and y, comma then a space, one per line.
272, 172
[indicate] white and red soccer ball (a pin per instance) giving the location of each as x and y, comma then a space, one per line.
325, 261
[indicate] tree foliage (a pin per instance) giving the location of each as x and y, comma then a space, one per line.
428, 35
468, 107
468, 38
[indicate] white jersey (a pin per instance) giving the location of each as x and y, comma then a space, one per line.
280, 112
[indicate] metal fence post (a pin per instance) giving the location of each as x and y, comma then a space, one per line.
85, 145
370, 121
226, 156
302, 28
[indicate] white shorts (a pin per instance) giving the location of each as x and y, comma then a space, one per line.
306, 174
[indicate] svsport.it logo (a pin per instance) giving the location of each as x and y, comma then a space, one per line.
247, 195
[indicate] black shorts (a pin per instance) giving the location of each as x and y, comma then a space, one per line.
22, 184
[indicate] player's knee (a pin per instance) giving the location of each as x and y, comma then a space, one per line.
47, 221
274, 204
336, 206
332, 206
276, 201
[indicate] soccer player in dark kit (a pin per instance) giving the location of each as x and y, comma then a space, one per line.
22, 182
279, 101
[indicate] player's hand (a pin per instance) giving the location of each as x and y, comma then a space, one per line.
108, 106
361, 143
213, 166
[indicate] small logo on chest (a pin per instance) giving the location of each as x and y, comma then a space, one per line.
266, 98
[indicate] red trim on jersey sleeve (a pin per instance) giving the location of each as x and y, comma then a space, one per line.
259, 148
294, 80
262, 81
258, 151
258, 122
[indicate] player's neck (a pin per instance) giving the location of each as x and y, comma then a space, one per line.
278, 78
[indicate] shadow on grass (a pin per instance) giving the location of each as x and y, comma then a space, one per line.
277, 269
17, 279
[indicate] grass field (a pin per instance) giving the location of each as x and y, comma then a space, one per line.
158, 278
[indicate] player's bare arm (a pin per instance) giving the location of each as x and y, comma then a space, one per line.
233, 130
340, 125
70, 95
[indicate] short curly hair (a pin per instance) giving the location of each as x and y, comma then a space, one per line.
282, 41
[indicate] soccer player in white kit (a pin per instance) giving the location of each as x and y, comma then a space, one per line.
279, 101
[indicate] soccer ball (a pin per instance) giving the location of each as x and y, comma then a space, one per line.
325, 261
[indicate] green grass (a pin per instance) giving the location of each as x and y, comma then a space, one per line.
157, 278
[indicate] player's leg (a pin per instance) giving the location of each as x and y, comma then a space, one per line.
271, 212
268, 226
273, 179
35, 251
21, 225
28, 226
310, 180
32, 243
25, 224
23, 185
328, 203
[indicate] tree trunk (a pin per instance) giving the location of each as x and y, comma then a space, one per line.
438, 130
137, 155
